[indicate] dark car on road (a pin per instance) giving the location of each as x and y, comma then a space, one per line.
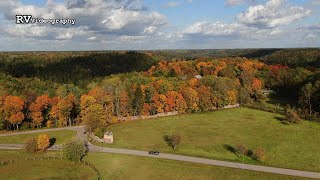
154, 152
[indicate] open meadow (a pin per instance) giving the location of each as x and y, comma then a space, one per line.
56, 137
113, 166
214, 134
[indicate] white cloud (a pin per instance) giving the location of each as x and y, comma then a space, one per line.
171, 4
45, 32
312, 32
272, 14
235, 2
92, 38
150, 30
101, 17
131, 38
214, 29
311, 36
234, 31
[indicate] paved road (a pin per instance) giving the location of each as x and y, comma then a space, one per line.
93, 148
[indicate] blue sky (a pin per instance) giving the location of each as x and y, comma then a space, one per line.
163, 24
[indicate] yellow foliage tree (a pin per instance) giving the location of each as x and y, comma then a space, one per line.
43, 142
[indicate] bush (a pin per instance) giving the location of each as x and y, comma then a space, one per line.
292, 116
241, 150
31, 145
74, 150
43, 142
259, 154
99, 132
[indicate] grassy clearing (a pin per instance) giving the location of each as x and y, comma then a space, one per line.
112, 166
209, 135
41, 169
60, 137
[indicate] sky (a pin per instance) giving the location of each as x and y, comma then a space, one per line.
160, 24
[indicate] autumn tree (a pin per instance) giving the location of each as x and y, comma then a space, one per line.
205, 98
147, 109
54, 111
92, 114
173, 140
2, 115
124, 104
66, 107
159, 102
13, 110
232, 97
103, 98
40, 110
191, 97
171, 102
43, 142
256, 84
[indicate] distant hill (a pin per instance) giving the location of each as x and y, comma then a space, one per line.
73, 67
301, 57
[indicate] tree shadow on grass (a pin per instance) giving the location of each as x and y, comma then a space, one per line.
52, 141
230, 148
282, 120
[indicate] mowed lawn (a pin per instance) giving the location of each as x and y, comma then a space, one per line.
60, 137
115, 166
210, 134
41, 169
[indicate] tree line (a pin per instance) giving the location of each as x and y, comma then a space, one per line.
183, 86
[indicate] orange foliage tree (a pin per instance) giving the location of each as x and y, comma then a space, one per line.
256, 84
104, 99
13, 110
39, 110
159, 102
191, 97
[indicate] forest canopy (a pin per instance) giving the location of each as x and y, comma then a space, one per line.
39, 89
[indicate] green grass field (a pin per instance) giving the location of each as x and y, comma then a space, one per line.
60, 136
112, 166
41, 169
209, 134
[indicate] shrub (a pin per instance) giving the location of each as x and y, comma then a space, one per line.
241, 150
292, 116
43, 142
259, 154
74, 150
99, 132
173, 140
31, 145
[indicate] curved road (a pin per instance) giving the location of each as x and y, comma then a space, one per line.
93, 148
